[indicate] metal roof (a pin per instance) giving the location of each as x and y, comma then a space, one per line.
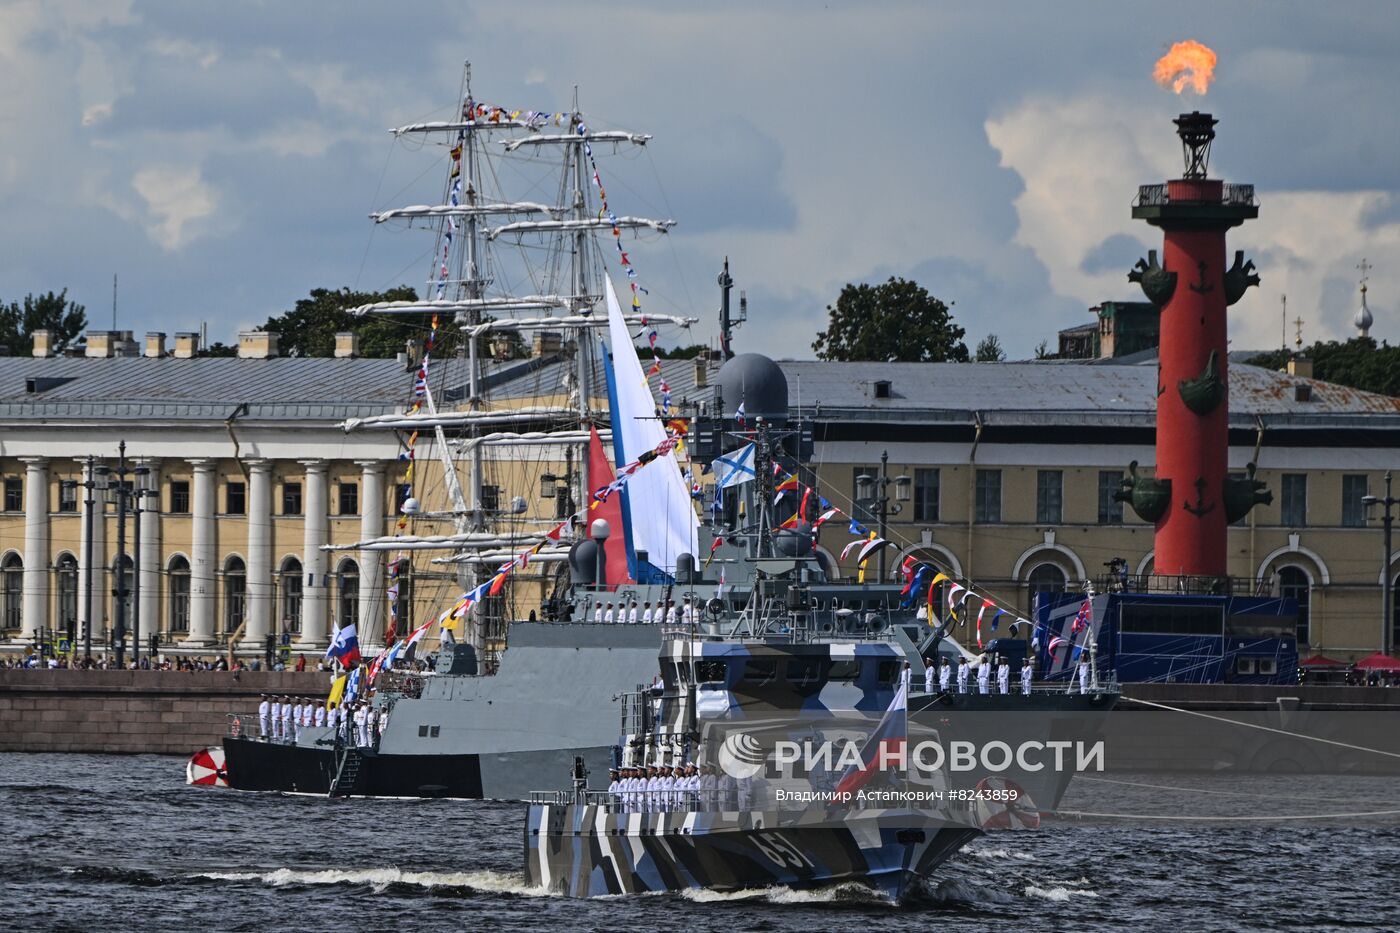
201, 388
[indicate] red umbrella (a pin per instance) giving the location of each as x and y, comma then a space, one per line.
1321, 660
1378, 662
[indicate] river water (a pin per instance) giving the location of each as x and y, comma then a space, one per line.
95, 842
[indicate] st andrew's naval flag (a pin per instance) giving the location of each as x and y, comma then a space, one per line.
344, 646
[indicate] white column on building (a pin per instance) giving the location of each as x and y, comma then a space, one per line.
204, 561
315, 599
94, 612
35, 605
259, 585
151, 566
372, 601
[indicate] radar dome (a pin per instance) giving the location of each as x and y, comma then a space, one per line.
756, 382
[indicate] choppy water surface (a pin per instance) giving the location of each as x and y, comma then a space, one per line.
121, 843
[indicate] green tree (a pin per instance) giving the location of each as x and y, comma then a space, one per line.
989, 350
1358, 363
64, 320
897, 321
689, 352
309, 329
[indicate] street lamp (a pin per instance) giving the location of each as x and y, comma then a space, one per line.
872, 494
88, 484
1386, 522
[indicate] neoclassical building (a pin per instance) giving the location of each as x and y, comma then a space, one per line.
1010, 468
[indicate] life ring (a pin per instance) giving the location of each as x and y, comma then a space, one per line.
235, 727
1009, 807
207, 767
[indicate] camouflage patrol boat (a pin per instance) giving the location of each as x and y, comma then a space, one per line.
734, 705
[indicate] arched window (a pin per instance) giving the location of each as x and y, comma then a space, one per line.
289, 585
1294, 582
347, 593
127, 585
1046, 578
401, 581
235, 594
12, 569
66, 568
179, 594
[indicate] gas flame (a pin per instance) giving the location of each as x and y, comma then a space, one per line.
1188, 63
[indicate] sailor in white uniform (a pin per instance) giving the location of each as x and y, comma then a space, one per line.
1027, 672
653, 790
320, 717
275, 710
1083, 675
646, 613
286, 719
632, 614
264, 708
928, 677
1004, 677
298, 714
984, 675
597, 612
962, 675
361, 726
687, 612
670, 612
614, 791
608, 615
945, 674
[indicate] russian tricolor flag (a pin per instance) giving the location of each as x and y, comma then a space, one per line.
344, 646
884, 746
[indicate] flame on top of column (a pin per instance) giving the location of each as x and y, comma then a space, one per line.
1187, 64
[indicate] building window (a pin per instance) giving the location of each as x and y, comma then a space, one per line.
1049, 497
1110, 509
67, 498
1353, 509
1294, 583
13, 572
67, 571
235, 594
401, 583
349, 496
236, 499
1295, 500
179, 594
291, 498
925, 495
987, 507
14, 495
180, 496
347, 593
1046, 578
289, 581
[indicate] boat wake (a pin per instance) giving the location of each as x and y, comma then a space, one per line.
380, 880
850, 893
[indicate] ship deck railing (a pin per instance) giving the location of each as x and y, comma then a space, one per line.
715, 801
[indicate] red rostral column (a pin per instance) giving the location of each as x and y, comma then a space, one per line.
1192, 288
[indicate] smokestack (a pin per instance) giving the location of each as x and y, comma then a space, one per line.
256, 344
155, 344
186, 345
43, 344
347, 345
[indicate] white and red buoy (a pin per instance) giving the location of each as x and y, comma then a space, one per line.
206, 766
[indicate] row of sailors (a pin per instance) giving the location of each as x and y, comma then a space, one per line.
282, 719
676, 788
665, 611
984, 675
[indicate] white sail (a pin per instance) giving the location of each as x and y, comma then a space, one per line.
570, 139
587, 223
663, 519
461, 210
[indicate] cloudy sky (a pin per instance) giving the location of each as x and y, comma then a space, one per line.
221, 157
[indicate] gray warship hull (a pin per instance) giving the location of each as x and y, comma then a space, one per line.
582, 850
495, 736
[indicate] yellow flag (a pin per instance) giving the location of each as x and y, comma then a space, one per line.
337, 691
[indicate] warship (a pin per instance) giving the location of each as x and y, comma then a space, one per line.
721, 808
524, 686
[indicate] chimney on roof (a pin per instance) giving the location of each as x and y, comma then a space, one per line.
702, 372
256, 344
186, 345
546, 343
155, 344
99, 344
43, 344
123, 344
1300, 366
347, 345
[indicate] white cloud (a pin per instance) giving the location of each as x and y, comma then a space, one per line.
1081, 159
175, 198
